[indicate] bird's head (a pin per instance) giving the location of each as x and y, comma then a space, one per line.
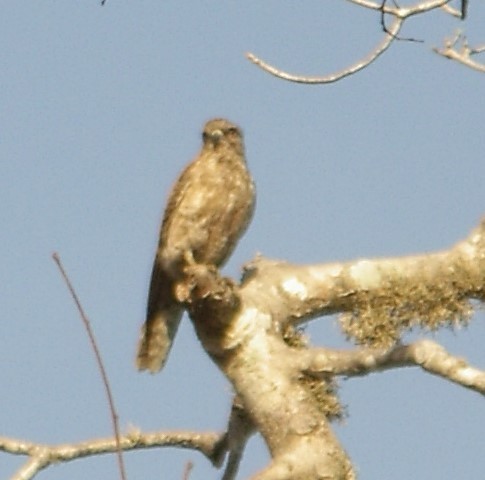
220, 133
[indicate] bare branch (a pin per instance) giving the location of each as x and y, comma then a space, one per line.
457, 48
454, 12
400, 14
42, 456
382, 298
428, 355
239, 431
389, 37
283, 388
243, 330
240, 334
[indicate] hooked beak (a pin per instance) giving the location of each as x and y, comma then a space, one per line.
216, 136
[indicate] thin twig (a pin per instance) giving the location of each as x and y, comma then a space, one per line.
188, 468
99, 361
386, 30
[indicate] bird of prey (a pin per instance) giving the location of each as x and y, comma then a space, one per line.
208, 210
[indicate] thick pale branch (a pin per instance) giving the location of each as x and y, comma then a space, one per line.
244, 329
380, 298
426, 354
244, 338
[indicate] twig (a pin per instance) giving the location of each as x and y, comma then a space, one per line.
386, 30
188, 468
99, 361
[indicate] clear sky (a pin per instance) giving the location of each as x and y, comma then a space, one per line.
100, 110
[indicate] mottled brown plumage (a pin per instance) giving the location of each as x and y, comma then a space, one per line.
209, 208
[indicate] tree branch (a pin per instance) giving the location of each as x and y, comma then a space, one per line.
245, 331
457, 48
239, 431
378, 299
284, 389
238, 331
400, 15
42, 456
389, 37
428, 355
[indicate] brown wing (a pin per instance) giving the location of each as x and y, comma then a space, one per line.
209, 209
233, 215
163, 312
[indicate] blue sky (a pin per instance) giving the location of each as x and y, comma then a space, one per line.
102, 108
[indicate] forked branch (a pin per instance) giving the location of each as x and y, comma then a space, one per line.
391, 33
457, 48
286, 389
42, 456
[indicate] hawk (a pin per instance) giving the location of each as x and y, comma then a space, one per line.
208, 210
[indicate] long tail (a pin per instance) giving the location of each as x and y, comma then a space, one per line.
156, 338
162, 322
